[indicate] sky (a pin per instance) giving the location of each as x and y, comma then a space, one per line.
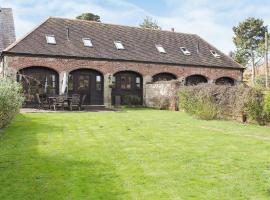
211, 19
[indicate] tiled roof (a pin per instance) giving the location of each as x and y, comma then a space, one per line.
140, 44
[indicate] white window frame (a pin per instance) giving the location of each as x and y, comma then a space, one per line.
50, 39
185, 51
119, 45
160, 48
215, 54
87, 42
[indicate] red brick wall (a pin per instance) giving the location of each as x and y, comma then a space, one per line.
110, 67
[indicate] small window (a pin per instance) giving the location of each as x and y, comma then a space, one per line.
185, 51
50, 39
160, 48
138, 82
87, 42
113, 80
125, 82
98, 83
215, 54
119, 45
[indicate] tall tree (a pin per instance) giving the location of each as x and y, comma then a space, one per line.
249, 41
89, 17
148, 22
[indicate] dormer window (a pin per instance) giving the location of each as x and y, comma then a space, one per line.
119, 45
87, 42
215, 54
185, 51
160, 48
50, 39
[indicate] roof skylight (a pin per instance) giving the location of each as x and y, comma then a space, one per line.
119, 45
50, 39
185, 51
215, 54
160, 48
87, 42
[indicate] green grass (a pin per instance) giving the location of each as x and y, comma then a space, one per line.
136, 154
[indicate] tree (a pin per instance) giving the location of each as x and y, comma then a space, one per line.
249, 41
89, 17
239, 56
148, 22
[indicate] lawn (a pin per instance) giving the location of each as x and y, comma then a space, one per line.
137, 154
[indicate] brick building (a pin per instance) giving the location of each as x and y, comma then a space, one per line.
109, 63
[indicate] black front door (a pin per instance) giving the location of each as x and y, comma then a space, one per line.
89, 83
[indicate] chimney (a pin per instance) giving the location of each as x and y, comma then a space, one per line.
172, 29
68, 33
7, 29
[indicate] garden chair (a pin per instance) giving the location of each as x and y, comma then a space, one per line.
75, 102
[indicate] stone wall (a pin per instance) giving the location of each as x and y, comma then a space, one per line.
162, 94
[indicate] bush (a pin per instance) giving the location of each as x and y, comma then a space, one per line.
11, 100
267, 105
208, 101
131, 100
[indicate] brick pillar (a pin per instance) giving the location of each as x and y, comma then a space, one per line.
107, 90
146, 79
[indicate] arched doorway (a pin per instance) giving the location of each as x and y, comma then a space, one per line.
127, 88
195, 80
38, 80
164, 77
87, 82
225, 81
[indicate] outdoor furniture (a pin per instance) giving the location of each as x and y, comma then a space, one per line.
75, 102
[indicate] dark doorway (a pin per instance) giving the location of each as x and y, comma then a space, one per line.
87, 82
41, 81
195, 80
164, 77
128, 88
225, 81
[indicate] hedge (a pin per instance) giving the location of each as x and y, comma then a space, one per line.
209, 101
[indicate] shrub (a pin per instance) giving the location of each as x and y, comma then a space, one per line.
208, 101
11, 100
131, 100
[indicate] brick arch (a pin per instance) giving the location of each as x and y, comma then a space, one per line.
39, 66
164, 75
225, 80
86, 68
195, 79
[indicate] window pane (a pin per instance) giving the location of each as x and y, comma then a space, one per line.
123, 82
98, 78
87, 42
119, 45
128, 84
50, 39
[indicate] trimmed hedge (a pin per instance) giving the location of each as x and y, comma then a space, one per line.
11, 100
209, 101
